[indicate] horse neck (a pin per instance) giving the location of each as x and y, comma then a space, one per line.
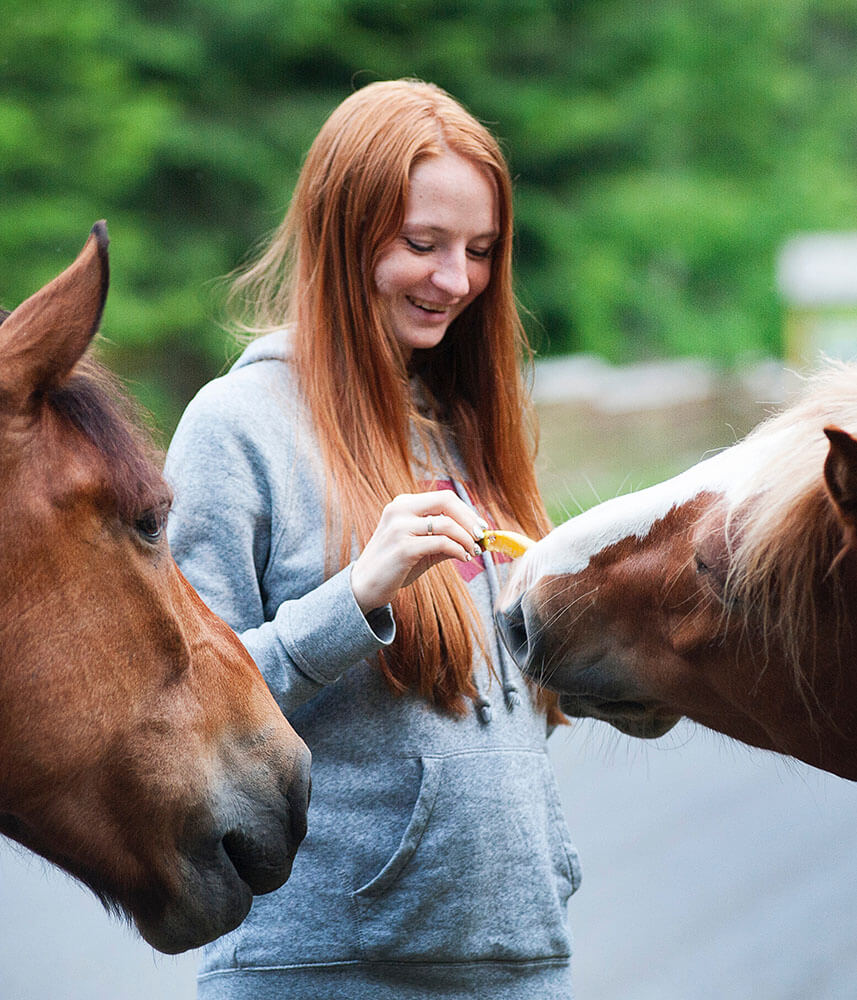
818, 702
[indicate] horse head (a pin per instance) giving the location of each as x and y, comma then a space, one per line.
727, 594
140, 749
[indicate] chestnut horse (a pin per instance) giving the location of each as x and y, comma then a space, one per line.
140, 749
727, 594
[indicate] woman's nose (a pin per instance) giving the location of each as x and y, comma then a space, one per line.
451, 275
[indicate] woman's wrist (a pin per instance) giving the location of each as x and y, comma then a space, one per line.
368, 597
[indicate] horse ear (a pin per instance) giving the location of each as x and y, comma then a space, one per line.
43, 339
840, 475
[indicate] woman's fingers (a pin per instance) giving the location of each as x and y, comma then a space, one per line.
436, 507
415, 531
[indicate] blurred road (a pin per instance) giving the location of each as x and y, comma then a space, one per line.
710, 871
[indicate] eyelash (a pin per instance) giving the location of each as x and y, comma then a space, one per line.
418, 247
423, 248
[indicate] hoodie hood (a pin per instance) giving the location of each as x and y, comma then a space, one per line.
275, 346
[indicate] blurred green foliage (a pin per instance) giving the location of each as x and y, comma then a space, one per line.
662, 153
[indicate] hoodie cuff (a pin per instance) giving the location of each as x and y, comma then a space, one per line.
325, 632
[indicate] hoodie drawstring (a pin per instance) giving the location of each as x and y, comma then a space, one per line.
511, 695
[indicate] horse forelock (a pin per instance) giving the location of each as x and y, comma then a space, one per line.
92, 401
783, 532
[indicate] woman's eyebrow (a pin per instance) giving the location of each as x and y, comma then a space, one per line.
491, 234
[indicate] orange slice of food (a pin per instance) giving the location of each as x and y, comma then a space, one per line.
510, 543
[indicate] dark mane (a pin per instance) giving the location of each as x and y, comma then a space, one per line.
92, 401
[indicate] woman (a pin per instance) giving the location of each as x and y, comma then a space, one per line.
330, 491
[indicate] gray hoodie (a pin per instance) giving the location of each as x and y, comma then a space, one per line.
437, 861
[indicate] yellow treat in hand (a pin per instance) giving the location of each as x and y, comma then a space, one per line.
510, 543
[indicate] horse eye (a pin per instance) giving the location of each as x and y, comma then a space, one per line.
701, 565
150, 526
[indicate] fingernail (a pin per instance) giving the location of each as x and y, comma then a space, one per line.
479, 530
468, 557
477, 551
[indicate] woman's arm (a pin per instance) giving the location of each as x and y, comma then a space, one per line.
247, 530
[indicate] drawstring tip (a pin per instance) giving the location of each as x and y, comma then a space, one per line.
484, 711
513, 698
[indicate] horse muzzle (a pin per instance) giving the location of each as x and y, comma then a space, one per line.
633, 718
243, 846
591, 680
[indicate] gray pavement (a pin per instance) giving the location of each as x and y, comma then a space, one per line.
710, 871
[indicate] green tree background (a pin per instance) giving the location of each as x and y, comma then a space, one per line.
663, 151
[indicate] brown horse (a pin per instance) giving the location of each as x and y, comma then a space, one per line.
140, 749
727, 594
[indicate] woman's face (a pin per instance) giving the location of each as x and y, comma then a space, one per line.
441, 259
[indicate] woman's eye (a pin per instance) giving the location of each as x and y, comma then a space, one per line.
150, 526
419, 247
480, 254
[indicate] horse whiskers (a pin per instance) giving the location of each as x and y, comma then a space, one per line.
568, 513
689, 614
569, 605
591, 485
564, 609
548, 667
560, 654
673, 581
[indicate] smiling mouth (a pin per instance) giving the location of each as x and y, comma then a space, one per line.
428, 307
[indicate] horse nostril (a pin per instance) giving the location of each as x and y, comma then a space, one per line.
262, 865
513, 631
243, 851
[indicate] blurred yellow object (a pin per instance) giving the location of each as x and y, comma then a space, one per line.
510, 543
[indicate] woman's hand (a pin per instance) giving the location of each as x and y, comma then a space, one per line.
416, 530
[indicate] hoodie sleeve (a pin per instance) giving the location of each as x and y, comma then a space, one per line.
247, 530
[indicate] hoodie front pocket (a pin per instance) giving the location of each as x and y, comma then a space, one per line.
483, 869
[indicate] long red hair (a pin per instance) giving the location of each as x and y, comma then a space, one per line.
317, 276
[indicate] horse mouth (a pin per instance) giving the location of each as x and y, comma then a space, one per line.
223, 865
633, 718
214, 898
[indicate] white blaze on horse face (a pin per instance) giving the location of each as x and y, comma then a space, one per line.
569, 548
